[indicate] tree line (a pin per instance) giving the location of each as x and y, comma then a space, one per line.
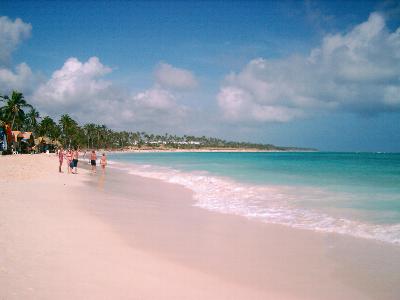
22, 116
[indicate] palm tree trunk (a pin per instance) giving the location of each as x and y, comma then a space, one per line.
12, 123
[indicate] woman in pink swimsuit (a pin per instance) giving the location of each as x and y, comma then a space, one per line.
69, 160
103, 162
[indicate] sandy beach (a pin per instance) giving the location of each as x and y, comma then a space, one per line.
119, 236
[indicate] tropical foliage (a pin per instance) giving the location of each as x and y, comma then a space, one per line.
15, 111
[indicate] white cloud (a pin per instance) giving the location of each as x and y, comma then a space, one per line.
79, 89
22, 79
239, 104
75, 84
155, 98
11, 34
158, 107
358, 72
175, 78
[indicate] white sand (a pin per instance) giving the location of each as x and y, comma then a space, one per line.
65, 236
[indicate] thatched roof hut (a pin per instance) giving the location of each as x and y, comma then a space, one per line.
22, 142
43, 140
44, 143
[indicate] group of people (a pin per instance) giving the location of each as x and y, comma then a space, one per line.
93, 161
72, 158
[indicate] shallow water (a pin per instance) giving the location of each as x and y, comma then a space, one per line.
350, 193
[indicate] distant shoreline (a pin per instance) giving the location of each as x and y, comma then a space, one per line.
222, 150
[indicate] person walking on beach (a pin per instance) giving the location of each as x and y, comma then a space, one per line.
69, 160
93, 159
60, 158
103, 162
75, 157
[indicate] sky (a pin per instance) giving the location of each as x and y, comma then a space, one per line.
322, 74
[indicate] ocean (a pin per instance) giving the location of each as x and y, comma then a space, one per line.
356, 194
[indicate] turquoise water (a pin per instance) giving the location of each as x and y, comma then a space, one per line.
349, 193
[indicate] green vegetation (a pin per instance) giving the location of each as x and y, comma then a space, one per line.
13, 110
22, 116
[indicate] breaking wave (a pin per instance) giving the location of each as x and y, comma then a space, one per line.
270, 204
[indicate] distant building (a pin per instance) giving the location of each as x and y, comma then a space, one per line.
22, 142
187, 143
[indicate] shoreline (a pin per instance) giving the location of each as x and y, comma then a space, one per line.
222, 150
124, 236
223, 188
331, 259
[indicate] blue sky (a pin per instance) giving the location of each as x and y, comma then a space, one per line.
322, 74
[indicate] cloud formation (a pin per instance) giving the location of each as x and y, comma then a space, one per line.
175, 78
155, 98
80, 89
75, 84
11, 34
158, 106
22, 79
357, 72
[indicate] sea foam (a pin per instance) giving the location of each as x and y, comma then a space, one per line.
271, 204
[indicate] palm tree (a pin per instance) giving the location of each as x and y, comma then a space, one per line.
31, 119
69, 129
103, 135
90, 130
2, 116
47, 127
98, 132
14, 108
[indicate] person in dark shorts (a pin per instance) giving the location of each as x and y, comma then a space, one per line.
93, 159
75, 157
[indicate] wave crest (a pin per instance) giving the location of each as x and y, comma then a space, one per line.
270, 204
